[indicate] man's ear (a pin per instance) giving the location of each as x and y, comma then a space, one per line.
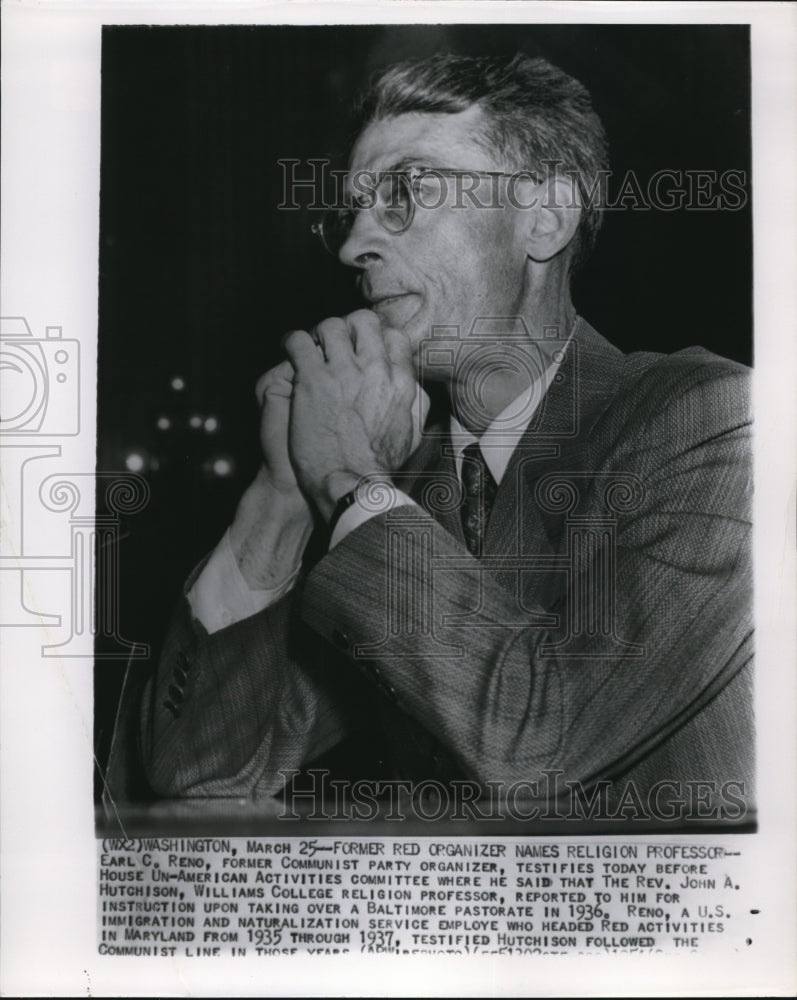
555, 218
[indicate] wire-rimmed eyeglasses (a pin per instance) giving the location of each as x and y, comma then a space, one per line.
394, 194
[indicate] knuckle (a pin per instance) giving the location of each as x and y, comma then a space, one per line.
364, 319
331, 326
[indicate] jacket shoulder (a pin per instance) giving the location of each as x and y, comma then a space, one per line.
666, 403
682, 370
694, 382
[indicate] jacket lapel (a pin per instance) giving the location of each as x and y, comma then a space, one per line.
555, 441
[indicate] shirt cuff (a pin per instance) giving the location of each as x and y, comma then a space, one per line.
221, 596
358, 514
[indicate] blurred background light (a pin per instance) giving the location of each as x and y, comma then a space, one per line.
222, 466
136, 460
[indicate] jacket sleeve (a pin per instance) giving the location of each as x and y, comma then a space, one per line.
510, 695
225, 712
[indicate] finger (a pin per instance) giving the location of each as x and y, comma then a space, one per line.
277, 381
302, 351
335, 340
365, 331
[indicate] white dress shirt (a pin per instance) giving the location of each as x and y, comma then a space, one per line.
221, 596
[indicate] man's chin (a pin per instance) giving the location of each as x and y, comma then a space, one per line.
398, 311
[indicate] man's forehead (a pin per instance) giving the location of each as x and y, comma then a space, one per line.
440, 140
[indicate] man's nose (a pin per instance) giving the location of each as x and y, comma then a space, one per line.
365, 244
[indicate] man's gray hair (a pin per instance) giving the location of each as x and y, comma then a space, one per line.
536, 114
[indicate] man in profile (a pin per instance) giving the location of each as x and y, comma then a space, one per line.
556, 578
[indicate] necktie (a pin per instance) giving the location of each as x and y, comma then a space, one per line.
479, 489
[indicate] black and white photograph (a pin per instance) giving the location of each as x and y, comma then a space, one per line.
398, 449
433, 345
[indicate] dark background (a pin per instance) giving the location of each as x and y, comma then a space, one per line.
201, 274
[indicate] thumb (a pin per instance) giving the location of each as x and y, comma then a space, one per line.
277, 381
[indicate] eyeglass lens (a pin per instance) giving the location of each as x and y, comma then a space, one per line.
393, 206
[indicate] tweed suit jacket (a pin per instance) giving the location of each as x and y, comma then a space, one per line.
605, 632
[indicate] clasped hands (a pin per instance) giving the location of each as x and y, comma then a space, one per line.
345, 405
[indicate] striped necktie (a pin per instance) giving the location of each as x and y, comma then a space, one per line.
479, 489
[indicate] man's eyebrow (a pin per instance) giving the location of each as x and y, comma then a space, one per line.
405, 163
409, 161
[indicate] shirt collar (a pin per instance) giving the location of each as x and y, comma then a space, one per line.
503, 435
